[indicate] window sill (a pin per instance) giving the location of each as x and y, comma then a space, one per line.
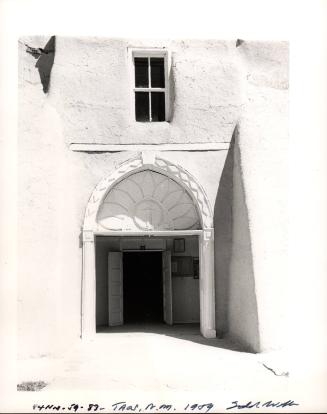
151, 123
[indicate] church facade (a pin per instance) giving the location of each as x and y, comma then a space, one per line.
152, 189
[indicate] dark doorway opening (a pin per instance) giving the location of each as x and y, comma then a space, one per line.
142, 287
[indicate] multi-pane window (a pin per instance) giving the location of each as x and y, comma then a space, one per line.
150, 89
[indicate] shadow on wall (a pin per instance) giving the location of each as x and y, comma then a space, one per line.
45, 59
223, 240
236, 304
171, 87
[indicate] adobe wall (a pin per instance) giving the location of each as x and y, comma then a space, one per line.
88, 101
251, 252
93, 89
261, 151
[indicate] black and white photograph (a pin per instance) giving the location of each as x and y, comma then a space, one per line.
162, 237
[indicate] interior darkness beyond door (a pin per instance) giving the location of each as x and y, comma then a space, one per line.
142, 287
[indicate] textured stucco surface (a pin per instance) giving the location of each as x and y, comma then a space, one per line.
241, 295
251, 254
214, 87
93, 91
262, 143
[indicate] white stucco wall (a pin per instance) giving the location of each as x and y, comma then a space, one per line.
262, 143
242, 310
93, 91
215, 86
251, 249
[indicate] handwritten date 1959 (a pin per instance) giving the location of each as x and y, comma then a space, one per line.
199, 407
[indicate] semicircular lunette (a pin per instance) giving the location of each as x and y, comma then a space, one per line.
147, 201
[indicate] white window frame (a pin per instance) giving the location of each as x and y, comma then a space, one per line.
149, 53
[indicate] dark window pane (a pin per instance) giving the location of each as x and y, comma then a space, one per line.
142, 106
158, 106
157, 72
141, 73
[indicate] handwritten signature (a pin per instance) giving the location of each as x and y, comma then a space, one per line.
259, 404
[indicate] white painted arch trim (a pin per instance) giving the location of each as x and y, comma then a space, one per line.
143, 161
91, 228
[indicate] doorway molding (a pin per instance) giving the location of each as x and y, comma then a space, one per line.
91, 228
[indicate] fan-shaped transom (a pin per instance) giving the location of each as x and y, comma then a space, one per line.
148, 200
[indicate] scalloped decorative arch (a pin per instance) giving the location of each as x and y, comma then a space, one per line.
142, 162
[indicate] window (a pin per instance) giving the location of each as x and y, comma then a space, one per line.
150, 86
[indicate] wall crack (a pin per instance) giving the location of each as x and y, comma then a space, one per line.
282, 374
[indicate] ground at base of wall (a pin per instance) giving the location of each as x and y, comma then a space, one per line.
167, 366
151, 361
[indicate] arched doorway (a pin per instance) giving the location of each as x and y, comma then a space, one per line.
149, 196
